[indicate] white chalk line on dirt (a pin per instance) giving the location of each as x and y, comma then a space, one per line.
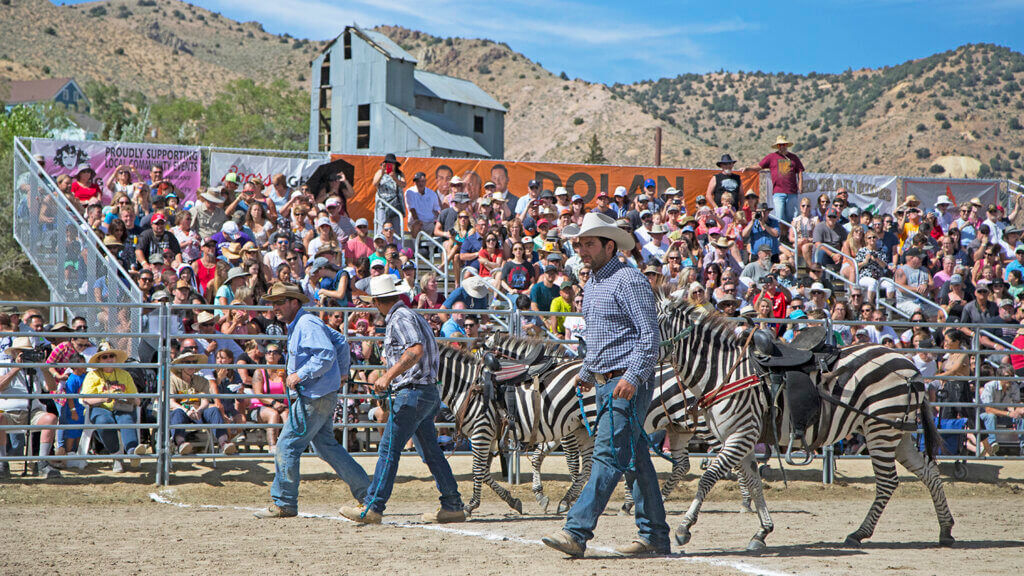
166, 497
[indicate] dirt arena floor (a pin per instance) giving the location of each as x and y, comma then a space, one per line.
93, 522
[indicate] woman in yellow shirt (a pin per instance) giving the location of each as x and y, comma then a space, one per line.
110, 410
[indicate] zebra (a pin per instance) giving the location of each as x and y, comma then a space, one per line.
459, 376
668, 411
869, 379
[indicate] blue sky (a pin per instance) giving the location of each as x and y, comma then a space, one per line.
615, 41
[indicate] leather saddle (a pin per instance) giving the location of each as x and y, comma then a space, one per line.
503, 376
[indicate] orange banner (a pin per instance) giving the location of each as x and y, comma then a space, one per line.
583, 179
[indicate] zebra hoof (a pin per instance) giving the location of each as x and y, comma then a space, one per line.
626, 510
745, 507
543, 501
756, 546
563, 507
682, 536
517, 505
852, 541
946, 537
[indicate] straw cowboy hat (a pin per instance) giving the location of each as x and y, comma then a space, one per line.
781, 140
205, 317
21, 343
385, 286
602, 226
111, 242
190, 359
106, 350
475, 287
722, 242
232, 251
281, 291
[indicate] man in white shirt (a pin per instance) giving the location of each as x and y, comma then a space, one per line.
658, 245
422, 205
524, 202
279, 255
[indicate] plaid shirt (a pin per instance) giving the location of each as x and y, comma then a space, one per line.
622, 324
405, 329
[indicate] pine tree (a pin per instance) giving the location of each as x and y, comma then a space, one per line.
595, 153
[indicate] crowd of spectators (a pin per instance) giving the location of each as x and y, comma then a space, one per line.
732, 250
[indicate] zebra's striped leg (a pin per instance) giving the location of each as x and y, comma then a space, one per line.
572, 459
680, 467
536, 460
481, 442
881, 446
750, 484
739, 444
927, 471
585, 446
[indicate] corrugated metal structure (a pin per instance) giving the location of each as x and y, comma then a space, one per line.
368, 98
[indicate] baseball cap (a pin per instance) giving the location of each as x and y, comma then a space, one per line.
956, 279
461, 197
643, 198
534, 183
565, 285
229, 229
645, 213
376, 260
983, 285
714, 230
621, 191
233, 178
455, 180
543, 222
673, 208
489, 184
701, 199
602, 194
832, 213
322, 221
320, 262
333, 201
670, 191
158, 217
1006, 302
361, 222
409, 266
547, 194
419, 175
550, 268
650, 183
576, 197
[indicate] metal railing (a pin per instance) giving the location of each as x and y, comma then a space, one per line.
443, 270
512, 326
400, 233
826, 248
75, 265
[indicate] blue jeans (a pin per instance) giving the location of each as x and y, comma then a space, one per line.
785, 207
129, 436
989, 421
412, 416
607, 470
318, 415
211, 415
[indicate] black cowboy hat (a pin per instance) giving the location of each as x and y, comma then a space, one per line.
726, 159
389, 158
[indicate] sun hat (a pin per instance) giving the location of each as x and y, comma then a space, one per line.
943, 199
819, 287
250, 247
389, 158
21, 343
750, 193
110, 241
652, 269
212, 194
602, 226
748, 311
658, 229
107, 349
204, 318
726, 159
281, 291
235, 272
781, 140
194, 358
721, 242
670, 191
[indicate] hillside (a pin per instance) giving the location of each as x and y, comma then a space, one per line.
961, 110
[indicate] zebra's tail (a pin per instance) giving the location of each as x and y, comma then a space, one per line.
932, 439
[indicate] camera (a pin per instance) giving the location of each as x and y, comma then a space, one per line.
35, 355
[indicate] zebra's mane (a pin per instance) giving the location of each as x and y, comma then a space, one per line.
460, 355
714, 322
507, 341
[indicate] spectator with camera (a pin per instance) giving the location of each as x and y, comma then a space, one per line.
23, 411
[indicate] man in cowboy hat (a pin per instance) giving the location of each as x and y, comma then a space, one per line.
317, 362
787, 175
112, 382
725, 181
208, 214
186, 380
22, 411
412, 358
622, 350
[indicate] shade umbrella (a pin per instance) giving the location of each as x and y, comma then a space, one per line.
325, 172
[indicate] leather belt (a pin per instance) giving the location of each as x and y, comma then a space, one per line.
603, 379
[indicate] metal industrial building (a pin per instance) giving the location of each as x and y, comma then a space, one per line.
368, 97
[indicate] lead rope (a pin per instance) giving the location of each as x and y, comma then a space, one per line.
391, 438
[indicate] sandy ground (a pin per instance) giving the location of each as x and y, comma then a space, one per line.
94, 522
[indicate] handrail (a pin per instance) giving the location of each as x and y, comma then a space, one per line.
796, 242
826, 248
77, 217
401, 218
513, 312
444, 257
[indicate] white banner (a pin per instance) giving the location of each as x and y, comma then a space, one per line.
871, 193
959, 191
295, 170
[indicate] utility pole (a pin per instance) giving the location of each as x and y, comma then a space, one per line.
657, 146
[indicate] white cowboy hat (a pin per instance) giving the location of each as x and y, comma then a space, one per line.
781, 140
474, 286
213, 195
819, 287
943, 200
384, 286
600, 225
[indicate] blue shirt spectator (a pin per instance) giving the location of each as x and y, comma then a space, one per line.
760, 236
460, 295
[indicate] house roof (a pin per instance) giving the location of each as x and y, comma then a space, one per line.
436, 136
28, 91
453, 90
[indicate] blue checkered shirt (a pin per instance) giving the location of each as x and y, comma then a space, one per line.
622, 324
405, 329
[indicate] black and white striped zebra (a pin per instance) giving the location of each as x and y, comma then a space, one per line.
871, 378
668, 411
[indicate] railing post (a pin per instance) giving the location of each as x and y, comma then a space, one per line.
976, 346
828, 462
164, 386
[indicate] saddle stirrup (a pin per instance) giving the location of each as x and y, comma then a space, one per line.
808, 454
